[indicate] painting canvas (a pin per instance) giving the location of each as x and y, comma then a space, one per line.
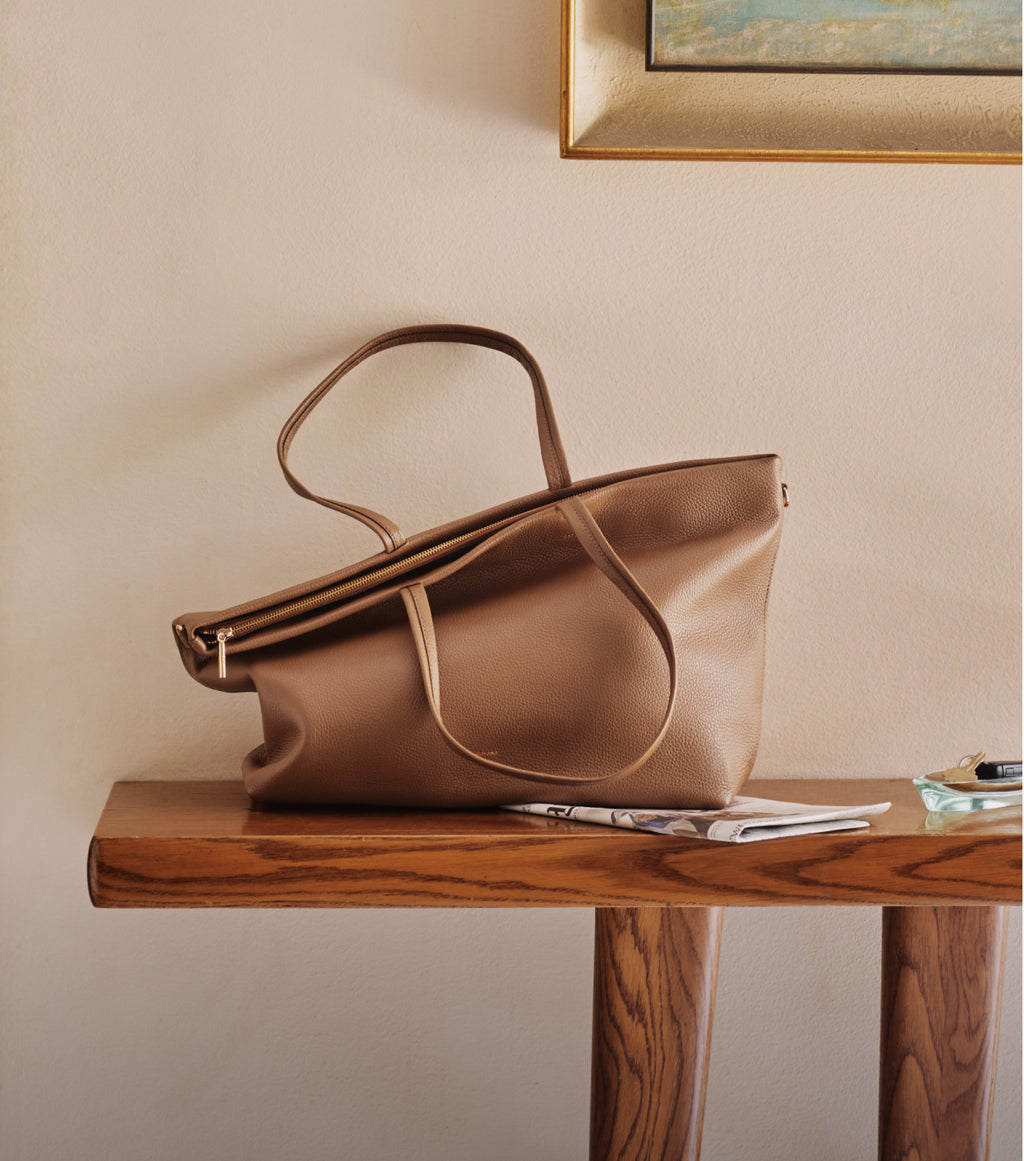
898, 36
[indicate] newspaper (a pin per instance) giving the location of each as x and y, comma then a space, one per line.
744, 820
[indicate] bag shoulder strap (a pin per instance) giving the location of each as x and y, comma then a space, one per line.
596, 546
552, 452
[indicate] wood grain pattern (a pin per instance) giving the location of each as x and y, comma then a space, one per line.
941, 985
201, 844
654, 991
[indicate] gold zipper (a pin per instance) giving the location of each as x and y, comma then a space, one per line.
222, 651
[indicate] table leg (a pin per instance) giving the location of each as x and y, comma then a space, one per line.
941, 987
654, 993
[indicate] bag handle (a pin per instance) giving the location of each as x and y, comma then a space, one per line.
595, 545
551, 448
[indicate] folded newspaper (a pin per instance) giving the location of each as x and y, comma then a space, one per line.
744, 820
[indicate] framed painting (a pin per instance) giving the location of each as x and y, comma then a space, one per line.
750, 109
957, 37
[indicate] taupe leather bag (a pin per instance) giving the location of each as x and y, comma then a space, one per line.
598, 642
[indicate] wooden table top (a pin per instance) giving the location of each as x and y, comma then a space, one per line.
202, 844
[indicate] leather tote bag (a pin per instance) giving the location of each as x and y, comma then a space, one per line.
596, 642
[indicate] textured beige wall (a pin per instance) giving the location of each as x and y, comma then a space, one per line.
209, 204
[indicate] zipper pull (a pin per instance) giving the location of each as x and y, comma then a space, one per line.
222, 652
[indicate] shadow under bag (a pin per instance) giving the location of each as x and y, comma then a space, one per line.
598, 642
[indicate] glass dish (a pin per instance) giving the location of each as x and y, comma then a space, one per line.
937, 794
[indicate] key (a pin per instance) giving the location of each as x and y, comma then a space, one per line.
966, 771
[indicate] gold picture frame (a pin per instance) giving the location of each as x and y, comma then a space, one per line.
614, 109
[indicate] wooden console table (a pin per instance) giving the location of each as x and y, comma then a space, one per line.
943, 882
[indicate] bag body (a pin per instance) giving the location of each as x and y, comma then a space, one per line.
602, 639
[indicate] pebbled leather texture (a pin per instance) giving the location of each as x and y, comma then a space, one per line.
599, 642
